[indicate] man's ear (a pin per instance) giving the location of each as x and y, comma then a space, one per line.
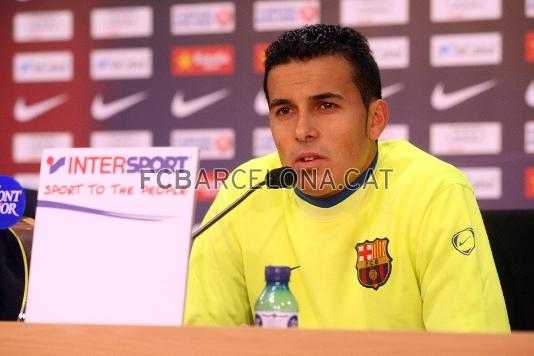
377, 118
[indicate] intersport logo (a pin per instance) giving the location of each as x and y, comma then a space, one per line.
202, 60
119, 164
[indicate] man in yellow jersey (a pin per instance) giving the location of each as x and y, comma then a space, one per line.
386, 235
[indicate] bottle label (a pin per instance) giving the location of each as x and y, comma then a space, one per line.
275, 319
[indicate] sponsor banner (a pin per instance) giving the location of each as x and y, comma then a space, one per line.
259, 57
121, 22
125, 138
486, 181
262, 141
395, 132
466, 49
441, 100
529, 8
203, 60
529, 137
41, 26
466, 138
373, 13
206, 18
28, 147
12, 202
285, 15
392, 89
56, 66
213, 143
25, 112
391, 52
101, 212
121, 63
529, 182
529, 46
182, 108
28, 180
101, 110
465, 10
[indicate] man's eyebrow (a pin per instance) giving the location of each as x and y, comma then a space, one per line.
322, 96
327, 95
278, 102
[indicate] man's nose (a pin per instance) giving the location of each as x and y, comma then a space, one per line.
305, 130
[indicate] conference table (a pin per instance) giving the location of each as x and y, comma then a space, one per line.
58, 339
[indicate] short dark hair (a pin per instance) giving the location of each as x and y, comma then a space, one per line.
314, 41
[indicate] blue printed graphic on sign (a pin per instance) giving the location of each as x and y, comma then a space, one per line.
12, 202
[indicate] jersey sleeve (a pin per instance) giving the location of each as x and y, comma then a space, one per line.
216, 290
460, 288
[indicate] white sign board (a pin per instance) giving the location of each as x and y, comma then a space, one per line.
106, 250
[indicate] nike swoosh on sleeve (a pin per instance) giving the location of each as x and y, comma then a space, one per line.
182, 109
25, 113
101, 111
529, 94
443, 101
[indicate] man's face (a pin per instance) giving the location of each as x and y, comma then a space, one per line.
319, 122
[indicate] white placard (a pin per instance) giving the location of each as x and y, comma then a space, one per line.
106, 251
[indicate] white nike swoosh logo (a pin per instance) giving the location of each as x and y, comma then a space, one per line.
260, 104
25, 113
442, 101
101, 111
392, 89
529, 94
182, 109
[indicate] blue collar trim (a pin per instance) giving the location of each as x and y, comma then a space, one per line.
342, 195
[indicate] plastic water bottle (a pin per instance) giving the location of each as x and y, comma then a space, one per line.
277, 307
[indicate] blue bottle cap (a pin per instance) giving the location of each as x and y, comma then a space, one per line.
277, 274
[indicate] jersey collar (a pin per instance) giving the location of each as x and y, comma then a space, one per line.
342, 195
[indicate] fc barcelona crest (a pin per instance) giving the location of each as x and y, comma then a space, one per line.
373, 263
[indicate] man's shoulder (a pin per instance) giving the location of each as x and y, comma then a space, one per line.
416, 165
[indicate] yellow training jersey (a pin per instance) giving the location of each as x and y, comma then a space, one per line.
407, 250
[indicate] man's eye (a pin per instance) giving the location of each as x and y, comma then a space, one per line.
327, 106
283, 111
